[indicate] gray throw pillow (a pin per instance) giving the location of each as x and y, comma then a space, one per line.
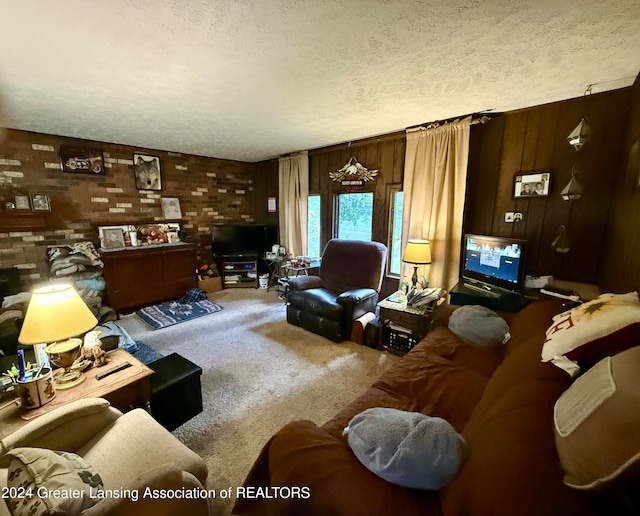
406, 448
480, 327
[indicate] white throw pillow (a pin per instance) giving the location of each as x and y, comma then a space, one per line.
592, 331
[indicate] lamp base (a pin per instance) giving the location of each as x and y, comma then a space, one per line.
65, 379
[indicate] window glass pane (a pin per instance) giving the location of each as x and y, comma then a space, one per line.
313, 226
355, 216
396, 232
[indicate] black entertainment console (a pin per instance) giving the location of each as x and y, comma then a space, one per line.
494, 299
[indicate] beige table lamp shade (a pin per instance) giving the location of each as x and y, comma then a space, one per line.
417, 251
56, 312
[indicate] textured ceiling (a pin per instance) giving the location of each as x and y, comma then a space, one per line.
253, 79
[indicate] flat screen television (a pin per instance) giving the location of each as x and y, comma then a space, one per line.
240, 240
492, 263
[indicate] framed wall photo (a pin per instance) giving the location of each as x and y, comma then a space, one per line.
112, 237
40, 202
534, 184
82, 161
171, 208
146, 170
22, 202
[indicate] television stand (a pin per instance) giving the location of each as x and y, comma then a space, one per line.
480, 288
465, 294
240, 271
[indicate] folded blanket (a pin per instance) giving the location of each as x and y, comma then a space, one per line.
91, 287
110, 330
16, 299
82, 250
73, 259
10, 314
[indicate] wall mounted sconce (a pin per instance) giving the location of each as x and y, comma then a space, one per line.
579, 136
574, 189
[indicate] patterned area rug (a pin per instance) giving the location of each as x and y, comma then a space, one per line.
174, 312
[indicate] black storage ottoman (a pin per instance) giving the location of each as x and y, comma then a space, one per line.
176, 395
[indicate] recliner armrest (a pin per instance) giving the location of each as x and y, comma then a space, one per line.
356, 295
154, 483
305, 282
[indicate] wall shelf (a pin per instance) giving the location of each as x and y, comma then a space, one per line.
18, 220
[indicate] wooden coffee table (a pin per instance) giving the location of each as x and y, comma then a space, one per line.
125, 390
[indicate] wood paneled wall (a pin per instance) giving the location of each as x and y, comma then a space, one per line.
620, 265
603, 226
266, 185
535, 139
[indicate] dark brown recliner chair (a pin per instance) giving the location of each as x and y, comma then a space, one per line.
350, 277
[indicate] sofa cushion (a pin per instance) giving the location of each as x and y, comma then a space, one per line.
37, 472
513, 466
597, 424
480, 327
406, 448
441, 341
588, 333
302, 454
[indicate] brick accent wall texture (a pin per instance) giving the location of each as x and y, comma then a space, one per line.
210, 191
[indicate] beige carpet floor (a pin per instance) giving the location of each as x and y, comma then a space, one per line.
259, 372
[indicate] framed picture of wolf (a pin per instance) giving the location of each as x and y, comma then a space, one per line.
146, 170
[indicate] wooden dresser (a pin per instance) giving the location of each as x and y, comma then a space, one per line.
146, 275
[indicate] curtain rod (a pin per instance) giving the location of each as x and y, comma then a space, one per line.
388, 136
438, 123
292, 154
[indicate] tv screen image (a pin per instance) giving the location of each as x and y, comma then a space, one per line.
494, 261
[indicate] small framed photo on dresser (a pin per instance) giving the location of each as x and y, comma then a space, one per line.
112, 238
40, 202
22, 202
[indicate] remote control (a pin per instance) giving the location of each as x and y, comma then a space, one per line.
558, 290
113, 370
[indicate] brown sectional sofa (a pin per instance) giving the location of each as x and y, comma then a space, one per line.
502, 404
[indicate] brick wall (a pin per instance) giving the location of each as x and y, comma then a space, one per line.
210, 191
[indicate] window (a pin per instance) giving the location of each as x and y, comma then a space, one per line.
355, 215
395, 231
313, 226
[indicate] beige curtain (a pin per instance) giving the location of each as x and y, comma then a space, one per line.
294, 194
435, 174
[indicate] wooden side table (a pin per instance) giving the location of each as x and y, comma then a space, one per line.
402, 326
125, 390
